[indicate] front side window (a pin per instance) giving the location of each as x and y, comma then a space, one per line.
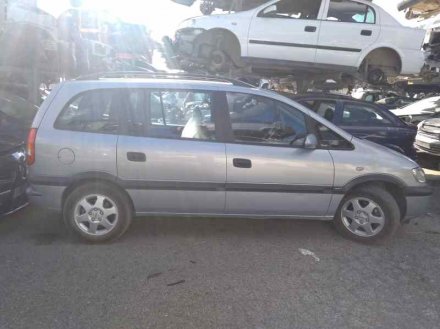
360, 115
95, 111
256, 119
181, 115
350, 12
299, 9
328, 139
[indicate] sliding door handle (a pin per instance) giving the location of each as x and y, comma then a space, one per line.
136, 157
310, 29
242, 163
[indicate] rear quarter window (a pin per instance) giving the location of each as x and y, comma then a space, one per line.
94, 111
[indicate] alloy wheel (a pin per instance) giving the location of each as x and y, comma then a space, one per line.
96, 214
363, 217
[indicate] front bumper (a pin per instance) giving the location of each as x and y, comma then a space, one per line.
427, 144
417, 201
13, 182
13, 199
184, 40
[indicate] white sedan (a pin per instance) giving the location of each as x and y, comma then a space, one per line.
340, 35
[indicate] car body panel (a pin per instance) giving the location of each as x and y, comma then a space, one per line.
199, 162
307, 173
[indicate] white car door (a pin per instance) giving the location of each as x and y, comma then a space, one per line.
285, 30
348, 28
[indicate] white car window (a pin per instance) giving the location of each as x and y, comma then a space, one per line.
351, 12
300, 9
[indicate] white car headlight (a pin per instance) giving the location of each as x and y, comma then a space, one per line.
419, 175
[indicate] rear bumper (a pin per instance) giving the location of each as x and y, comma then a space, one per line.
413, 61
47, 197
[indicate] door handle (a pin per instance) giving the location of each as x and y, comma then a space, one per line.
310, 29
136, 157
242, 163
366, 32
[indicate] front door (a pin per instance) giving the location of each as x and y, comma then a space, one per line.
268, 170
169, 158
286, 30
348, 28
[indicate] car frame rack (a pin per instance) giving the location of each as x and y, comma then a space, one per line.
162, 75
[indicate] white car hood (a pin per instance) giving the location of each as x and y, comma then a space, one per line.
425, 106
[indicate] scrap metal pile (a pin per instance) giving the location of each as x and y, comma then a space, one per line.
39, 49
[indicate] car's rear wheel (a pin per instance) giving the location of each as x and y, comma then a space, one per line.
368, 214
97, 212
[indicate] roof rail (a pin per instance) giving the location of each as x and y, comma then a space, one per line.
162, 75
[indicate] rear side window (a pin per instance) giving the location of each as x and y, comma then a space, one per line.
360, 115
350, 12
181, 115
94, 111
292, 9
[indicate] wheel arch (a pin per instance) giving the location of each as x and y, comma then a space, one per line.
231, 40
94, 177
391, 184
379, 52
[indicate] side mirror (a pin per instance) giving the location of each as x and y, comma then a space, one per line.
311, 142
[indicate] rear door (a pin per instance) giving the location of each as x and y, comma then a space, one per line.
348, 28
268, 170
170, 158
286, 30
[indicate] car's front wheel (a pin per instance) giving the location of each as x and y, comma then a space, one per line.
368, 214
97, 212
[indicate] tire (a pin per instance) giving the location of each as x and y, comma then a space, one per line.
376, 77
368, 207
218, 61
97, 212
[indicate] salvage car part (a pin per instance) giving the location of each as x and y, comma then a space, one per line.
419, 8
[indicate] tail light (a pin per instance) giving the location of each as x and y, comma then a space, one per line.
31, 146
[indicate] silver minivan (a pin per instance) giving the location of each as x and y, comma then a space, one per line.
103, 151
